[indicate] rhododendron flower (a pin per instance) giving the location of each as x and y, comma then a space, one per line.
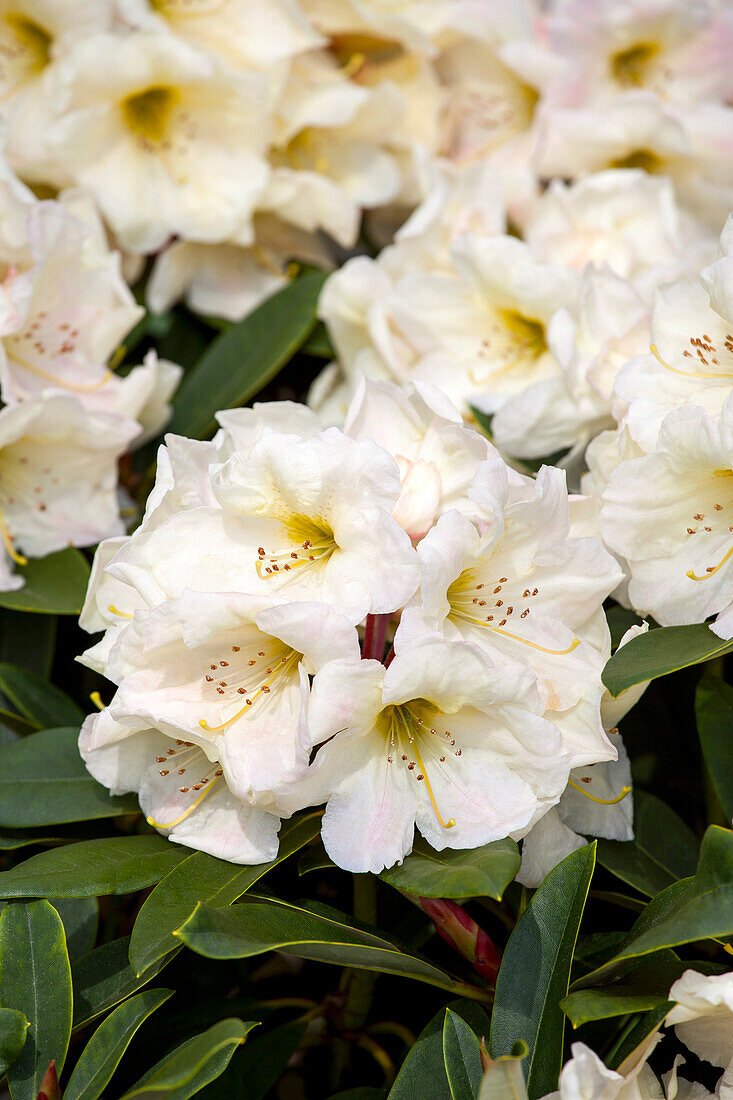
413, 23
520, 587
181, 791
670, 514
442, 739
437, 456
58, 477
703, 1019
148, 107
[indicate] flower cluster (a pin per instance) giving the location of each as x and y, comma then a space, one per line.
231, 617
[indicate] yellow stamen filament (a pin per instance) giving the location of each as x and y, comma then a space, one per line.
115, 611
354, 64
600, 801
96, 698
710, 570
17, 558
517, 637
186, 813
264, 689
686, 373
451, 821
57, 381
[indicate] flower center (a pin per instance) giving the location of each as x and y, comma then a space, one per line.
47, 340
714, 522
32, 43
630, 67
148, 113
513, 341
187, 759
403, 727
490, 603
640, 158
308, 542
705, 353
244, 674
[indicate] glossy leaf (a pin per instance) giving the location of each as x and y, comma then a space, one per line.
243, 359
201, 878
664, 848
27, 640
35, 979
692, 909
81, 919
257, 1065
103, 1052
40, 702
55, 585
117, 865
43, 781
423, 1071
645, 985
456, 873
461, 1057
193, 1064
253, 927
636, 1035
535, 972
714, 713
104, 977
13, 1031
659, 652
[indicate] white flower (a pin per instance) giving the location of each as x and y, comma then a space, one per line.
413, 23
437, 456
703, 1019
525, 591
670, 514
440, 739
206, 815
167, 142
585, 1076
284, 516
58, 475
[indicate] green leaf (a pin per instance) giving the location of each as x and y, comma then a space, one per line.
114, 865
359, 1093
13, 1030
201, 878
55, 585
645, 985
255, 1068
664, 848
255, 926
714, 711
103, 1052
456, 873
639, 1029
35, 979
243, 359
689, 910
619, 620
104, 977
40, 702
43, 781
659, 652
81, 919
318, 344
461, 1057
483, 420
423, 1072
193, 1064
28, 640
535, 972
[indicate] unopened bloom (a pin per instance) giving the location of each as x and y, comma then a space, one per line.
441, 739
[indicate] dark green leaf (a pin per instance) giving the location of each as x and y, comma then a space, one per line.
423, 1071
318, 344
40, 702
103, 1052
257, 1066
483, 420
200, 877
243, 359
659, 652
43, 781
456, 873
359, 1093
54, 585
193, 1064
663, 850
35, 979
461, 1057
639, 1029
81, 918
27, 640
104, 977
620, 619
645, 985
714, 711
253, 927
13, 1031
114, 865
535, 972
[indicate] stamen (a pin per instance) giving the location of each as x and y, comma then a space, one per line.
516, 637
686, 373
96, 698
450, 823
284, 665
601, 801
17, 558
57, 380
186, 813
115, 611
711, 569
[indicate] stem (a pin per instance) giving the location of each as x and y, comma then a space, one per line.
375, 635
367, 644
380, 635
